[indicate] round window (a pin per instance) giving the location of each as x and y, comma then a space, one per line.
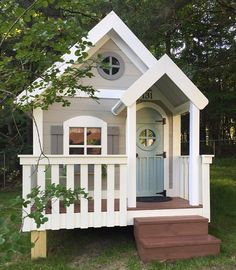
111, 67
147, 138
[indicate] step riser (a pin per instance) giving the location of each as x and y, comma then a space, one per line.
173, 238
175, 253
173, 229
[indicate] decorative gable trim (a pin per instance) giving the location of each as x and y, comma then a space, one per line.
99, 34
164, 66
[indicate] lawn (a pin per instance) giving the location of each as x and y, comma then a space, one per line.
114, 248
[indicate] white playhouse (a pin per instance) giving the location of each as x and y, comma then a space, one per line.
125, 151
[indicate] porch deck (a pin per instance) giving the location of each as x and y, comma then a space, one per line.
175, 203
110, 189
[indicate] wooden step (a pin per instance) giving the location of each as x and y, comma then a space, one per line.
172, 238
170, 226
174, 249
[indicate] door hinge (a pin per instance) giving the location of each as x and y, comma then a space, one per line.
161, 155
163, 121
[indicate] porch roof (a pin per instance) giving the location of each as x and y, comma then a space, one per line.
172, 86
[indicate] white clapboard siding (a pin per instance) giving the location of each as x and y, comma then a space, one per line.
55, 218
70, 185
97, 195
83, 201
110, 194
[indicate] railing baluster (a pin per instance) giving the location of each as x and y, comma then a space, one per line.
83, 219
83, 201
70, 185
55, 201
181, 191
123, 195
110, 194
187, 179
42, 185
97, 195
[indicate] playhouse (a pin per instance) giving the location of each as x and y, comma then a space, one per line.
125, 150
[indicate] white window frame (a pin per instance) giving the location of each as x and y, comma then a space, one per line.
85, 122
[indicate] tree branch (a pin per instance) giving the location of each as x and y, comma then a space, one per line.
96, 19
16, 21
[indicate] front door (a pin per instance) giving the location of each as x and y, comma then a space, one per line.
150, 163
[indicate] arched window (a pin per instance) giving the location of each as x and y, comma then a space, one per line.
85, 135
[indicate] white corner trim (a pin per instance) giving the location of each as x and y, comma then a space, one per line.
84, 121
37, 131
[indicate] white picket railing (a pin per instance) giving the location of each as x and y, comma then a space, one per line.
35, 174
204, 181
183, 177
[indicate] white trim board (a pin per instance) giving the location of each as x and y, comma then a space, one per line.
103, 93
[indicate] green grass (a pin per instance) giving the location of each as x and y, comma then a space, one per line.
114, 248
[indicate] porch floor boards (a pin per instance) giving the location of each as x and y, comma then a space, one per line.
175, 203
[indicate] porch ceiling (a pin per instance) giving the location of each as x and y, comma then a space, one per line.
170, 91
175, 87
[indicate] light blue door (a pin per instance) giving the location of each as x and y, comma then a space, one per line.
150, 162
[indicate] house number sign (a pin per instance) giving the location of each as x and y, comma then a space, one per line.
147, 95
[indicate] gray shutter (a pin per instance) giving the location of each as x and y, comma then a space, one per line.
57, 140
113, 140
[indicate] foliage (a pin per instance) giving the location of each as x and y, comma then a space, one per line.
114, 248
33, 36
38, 200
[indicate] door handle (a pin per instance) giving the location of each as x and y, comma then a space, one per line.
136, 155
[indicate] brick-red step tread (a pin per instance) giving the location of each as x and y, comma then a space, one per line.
178, 241
173, 219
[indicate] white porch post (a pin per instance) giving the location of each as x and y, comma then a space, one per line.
193, 155
131, 153
37, 131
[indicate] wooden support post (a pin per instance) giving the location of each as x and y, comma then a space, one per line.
39, 238
194, 155
131, 153
206, 161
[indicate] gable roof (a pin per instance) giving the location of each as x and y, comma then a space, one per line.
109, 23
163, 67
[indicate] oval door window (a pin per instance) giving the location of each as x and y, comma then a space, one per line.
146, 138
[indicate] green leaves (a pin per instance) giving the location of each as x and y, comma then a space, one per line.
41, 199
2, 239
